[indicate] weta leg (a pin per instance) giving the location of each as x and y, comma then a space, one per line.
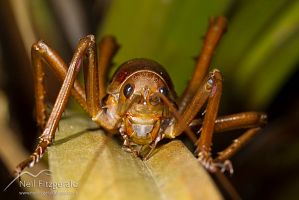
96, 72
107, 48
205, 140
210, 93
245, 120
211, 85
49, 132
216, 29
228, 152
240, 121
41, 53
251, 120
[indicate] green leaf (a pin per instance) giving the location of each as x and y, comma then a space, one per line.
260, 41
260, 50
168, 31
99, 169
269, 64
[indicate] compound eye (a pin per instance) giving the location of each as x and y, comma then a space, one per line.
128, 90
163, 90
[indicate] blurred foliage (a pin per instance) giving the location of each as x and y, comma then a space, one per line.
167, 31
258, 57
260, 51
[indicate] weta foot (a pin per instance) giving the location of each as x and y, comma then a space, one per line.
214, 165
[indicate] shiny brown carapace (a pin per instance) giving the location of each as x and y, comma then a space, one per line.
140, 103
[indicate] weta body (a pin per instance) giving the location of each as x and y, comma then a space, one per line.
140, 103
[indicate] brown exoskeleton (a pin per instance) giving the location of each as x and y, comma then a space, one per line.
140, 102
